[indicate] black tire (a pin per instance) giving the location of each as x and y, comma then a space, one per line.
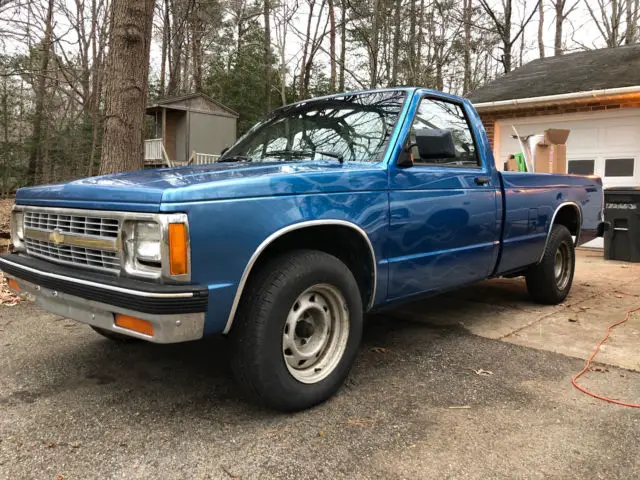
543, 283
114, 336
258, 345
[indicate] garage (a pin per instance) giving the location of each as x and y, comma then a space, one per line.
594, 94
605, 143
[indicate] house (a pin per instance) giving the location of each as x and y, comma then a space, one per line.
595, 94
189, 129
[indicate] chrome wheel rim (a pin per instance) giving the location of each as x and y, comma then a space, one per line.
315, 334
562, 266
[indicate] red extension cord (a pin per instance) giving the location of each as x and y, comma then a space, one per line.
592, 356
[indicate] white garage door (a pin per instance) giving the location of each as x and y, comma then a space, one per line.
602, 143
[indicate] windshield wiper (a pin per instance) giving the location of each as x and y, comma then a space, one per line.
234, 158
305, 153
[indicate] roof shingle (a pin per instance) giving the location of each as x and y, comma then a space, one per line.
574, 72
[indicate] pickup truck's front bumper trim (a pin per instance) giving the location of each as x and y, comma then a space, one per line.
137, 295
4, 261
166, 328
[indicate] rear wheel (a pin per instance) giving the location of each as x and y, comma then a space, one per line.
297, 331
549, 281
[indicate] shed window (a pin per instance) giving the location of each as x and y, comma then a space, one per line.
581, 167
619, 167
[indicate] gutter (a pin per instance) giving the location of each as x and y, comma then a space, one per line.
564, 97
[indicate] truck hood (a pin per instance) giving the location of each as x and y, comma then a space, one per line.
146, 190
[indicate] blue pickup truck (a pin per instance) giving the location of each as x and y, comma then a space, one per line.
325, 210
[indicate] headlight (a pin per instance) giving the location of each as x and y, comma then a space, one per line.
148, 240
157, 248
142, 242
17, 229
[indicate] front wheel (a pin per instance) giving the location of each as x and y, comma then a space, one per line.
550, 280
297, 331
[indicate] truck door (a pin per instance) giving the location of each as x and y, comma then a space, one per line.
444, 218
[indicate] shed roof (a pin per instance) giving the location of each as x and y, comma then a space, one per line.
180, 103
575, 72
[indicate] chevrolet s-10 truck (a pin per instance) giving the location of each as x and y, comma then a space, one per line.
325, 210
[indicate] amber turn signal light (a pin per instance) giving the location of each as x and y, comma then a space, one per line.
13, 284
177, 249
135, 324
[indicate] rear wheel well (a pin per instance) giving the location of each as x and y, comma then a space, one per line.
343, 242
569, 216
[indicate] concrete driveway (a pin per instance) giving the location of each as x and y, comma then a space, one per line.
76, 406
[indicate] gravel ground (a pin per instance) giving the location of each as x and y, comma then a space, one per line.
76, 406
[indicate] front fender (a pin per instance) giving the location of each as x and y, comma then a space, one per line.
227, 237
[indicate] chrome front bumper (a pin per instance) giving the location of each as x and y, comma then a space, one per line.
172, 328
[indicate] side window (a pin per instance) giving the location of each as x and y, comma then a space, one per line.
449, 116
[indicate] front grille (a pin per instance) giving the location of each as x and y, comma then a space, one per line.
78, 225
69, 254
81, 225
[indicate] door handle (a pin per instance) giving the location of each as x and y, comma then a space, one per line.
482, 180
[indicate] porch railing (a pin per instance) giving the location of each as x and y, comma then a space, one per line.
153, 150
202, 158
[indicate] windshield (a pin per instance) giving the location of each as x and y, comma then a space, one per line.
352, 128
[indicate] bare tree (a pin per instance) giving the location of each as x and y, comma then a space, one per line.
607, 17
562, 12
267, 53
502, 23
126, 85
541, 29
332, 46
633, 13
36, 150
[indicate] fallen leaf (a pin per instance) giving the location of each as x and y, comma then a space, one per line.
59, 477
619, 296
75, 445
231, 475
482, 372
355, 421
380, 350
321, 433
574, 320
52, 444
599, 369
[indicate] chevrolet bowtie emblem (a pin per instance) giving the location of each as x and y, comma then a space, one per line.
56, 237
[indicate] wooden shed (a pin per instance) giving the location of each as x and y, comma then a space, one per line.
190, 129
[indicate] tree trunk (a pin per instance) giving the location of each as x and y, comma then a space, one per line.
305, 52
267, 54
332, 46
396, 44
467, 46
35, 152
165, 42
557, 45
411, 63
541, 30
197, 32
632, 22
126, 86
343, 42
373, 49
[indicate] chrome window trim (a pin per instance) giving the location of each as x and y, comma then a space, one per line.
100, 285
283, 231
553, 219
162, 219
